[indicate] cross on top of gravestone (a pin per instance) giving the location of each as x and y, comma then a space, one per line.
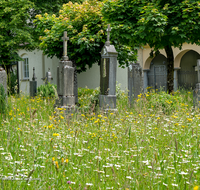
34, 77
108, 35
65, 39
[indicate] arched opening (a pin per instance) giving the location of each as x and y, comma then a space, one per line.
157, 76
187, 76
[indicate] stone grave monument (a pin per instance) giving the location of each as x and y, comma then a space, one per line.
75, 83
108, 68
33, 85
3, 79
65, 81
48, 77
196, 92
135, 81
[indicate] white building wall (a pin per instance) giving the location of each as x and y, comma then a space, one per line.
89, 79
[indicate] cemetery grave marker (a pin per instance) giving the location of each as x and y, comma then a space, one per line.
33, 85
48, 77
3, 79
196, 92
65, 80
135, 81
108, 68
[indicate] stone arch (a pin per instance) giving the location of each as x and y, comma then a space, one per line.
187, 76
177, 60
24, 55
148, 61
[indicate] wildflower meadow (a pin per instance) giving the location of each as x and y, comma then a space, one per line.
153, 144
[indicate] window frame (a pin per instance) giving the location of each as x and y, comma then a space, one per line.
25, 68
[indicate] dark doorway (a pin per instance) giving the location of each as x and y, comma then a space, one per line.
157, 76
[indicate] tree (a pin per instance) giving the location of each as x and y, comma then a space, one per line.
14, 30
85, 27
162, 24
50, 6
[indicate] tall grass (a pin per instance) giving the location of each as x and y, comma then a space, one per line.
152, 145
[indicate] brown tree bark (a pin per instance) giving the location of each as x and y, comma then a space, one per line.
170, 69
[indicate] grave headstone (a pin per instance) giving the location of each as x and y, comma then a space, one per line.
65, 81
135, 81
3, 79
108, 68
48, 77
75, 84
33, 85
196, 92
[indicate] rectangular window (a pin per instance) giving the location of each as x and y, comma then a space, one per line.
25, 67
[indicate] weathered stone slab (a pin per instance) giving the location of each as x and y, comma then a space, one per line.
3, 79
135, 81
33, 85
196, 92
107, 101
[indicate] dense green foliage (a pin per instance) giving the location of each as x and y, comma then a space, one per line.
47, 90
86, 30
160, 24
15, 30
50, 6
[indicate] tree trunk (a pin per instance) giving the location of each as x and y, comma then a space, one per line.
170, 69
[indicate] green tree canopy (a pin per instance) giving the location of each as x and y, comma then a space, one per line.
14, 29
50, 6
86, 30
161, 24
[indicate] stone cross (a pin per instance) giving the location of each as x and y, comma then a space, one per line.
65, 39
34, 77
197, 68
108, 35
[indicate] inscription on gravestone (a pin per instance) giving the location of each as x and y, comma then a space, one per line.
104, 81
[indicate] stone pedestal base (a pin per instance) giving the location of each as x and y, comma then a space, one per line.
67, 103
107, 102
196, 96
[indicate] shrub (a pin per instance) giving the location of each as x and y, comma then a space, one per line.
12, 82
3, 103
48, 90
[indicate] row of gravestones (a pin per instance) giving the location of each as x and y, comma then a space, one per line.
67, 89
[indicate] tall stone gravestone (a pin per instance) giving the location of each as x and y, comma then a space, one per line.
3, 79
135, 81
33, 85
65, 80
196, 92
48, 77
108, 68
75, 83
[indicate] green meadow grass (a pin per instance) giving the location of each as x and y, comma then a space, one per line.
154, 144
